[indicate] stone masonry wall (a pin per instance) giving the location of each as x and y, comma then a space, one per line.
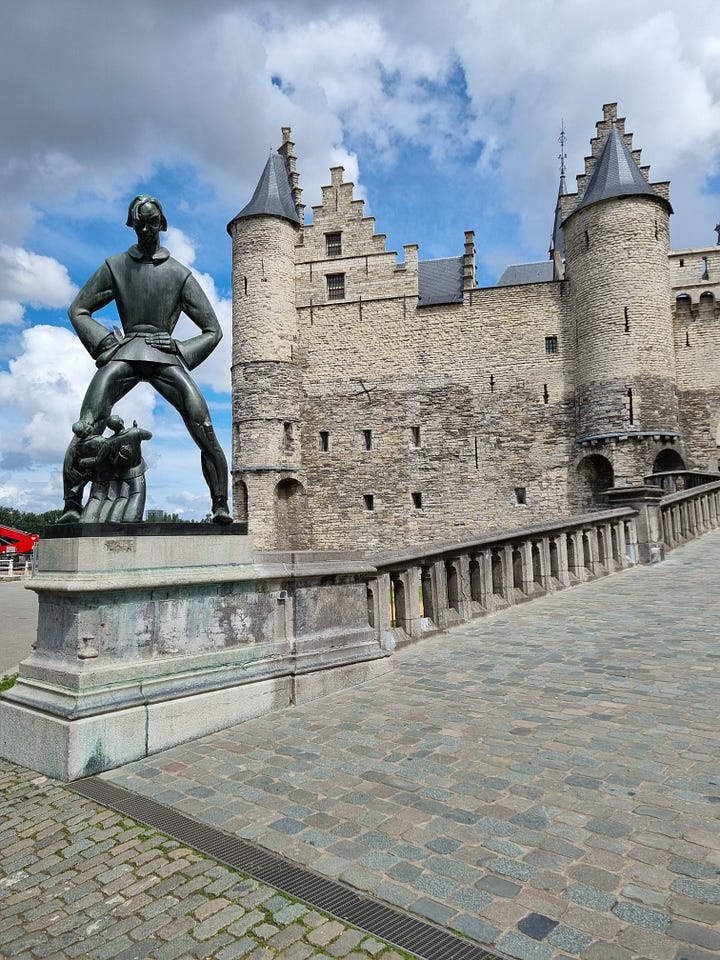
440, 421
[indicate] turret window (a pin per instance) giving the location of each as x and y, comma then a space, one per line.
324, 441
551, 344
336, 286
333, 244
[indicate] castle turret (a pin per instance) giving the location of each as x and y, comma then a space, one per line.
266, 376
616, 233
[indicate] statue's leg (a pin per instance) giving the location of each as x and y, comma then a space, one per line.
178, 388
110, 384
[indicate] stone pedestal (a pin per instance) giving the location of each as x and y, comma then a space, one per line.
147, 639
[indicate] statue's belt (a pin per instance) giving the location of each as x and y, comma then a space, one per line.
134, 348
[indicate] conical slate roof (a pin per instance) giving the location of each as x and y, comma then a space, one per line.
273, 195
557, 243
616, 174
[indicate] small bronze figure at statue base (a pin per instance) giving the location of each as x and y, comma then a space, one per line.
150, 290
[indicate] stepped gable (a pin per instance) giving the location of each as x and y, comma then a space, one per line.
274, 195
613, 168
616, 174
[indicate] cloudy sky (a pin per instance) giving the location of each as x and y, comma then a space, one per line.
446, 116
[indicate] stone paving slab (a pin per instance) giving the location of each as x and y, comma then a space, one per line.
545, 781
80, 881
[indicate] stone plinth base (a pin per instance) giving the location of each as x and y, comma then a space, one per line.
146, 641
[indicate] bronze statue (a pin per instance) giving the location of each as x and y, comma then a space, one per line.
150, 290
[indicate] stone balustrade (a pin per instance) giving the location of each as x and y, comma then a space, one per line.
675, 481
434, 586
690, 513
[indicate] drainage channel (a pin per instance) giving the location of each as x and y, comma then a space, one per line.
409, 933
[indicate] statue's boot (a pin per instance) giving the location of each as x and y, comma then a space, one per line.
73, 511
220, 510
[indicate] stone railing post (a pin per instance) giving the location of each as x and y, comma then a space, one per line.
648, 522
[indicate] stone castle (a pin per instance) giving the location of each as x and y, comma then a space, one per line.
380, 401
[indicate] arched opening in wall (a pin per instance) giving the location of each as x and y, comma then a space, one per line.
476, 587
706, 309
593, 475
453, 588
240, 501
683, 308
666, 460
289, 505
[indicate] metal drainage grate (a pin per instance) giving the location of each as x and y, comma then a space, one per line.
376, 918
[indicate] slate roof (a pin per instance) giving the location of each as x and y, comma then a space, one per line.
557, 243
440, 281
518, 273
616, 174
273, 195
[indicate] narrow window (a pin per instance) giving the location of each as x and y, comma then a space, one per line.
682, 262
630, 405
369, 501
287, 435
687, 338
705, 274
627, 320
551, 345
333, 244
415, 431
336, 286
245, 285
546, 395
324, 441
587, 240
492, 384
368, 439
656, 230
417, 500
520, 495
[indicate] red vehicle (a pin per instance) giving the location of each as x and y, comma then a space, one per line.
15, 543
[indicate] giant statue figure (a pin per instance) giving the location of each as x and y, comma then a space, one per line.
150, 290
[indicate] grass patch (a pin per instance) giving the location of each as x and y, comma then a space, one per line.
7, 682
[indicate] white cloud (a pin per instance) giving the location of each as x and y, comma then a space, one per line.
29, 278
42, 391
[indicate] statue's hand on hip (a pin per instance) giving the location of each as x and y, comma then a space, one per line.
163, 341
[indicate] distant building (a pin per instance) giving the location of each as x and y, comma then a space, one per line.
155, 516
379, 401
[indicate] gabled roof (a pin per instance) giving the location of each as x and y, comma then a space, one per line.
273, 195
440, 281
616, 174
518, 273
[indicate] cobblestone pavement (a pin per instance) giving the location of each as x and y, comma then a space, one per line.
546, 780
78, 880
